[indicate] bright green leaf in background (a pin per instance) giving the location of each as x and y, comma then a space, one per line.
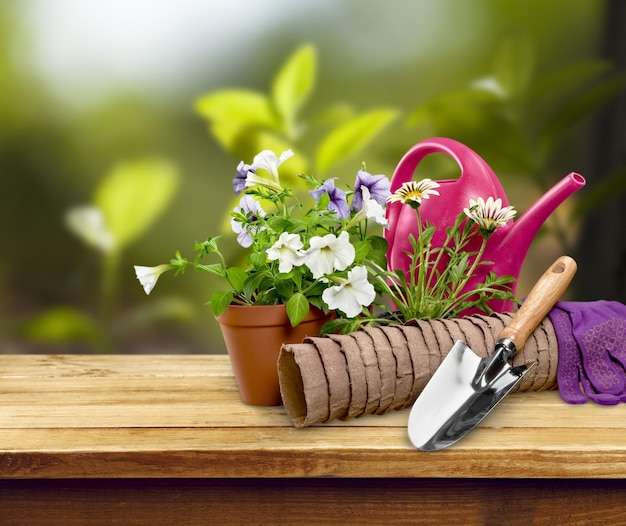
235, 116
293, 85
61, 324
133, 195
240, 106
352, 136
245, 122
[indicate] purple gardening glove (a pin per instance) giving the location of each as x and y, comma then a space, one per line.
592, 351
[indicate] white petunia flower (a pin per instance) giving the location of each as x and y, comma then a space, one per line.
373, 209
287, 250
329, 253
352, 295
268, 161
148, 276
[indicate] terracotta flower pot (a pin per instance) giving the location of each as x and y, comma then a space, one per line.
253, 336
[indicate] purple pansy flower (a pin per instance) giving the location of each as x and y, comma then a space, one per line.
378, 185
239, 181
338, 202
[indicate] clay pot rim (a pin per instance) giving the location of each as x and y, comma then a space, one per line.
262, 315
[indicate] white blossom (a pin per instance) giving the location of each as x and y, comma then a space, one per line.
490, 214
329, 253
352, 294
287, 250
88, 223
373, 209
268, 161
148, 276
413, 193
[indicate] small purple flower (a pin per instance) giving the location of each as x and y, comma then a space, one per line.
239, 181
338, 202
251, 208
378, 185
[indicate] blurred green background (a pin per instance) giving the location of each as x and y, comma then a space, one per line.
101, 103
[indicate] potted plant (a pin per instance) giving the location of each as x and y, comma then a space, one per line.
305, 265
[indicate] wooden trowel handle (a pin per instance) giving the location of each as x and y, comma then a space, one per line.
540, 301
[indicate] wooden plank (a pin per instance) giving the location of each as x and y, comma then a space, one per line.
181, 416
197, 401
33, 366
313, 501
332, 452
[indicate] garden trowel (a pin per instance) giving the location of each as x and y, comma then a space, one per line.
466, 387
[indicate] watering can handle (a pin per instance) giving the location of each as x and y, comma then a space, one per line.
473, 167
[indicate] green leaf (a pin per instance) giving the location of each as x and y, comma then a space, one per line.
220, 300
61, 324
237, 107
514, 64
361, 250
214, 268
293, 84
252, 284
342, 325
379, 257
378, 243
297, 308
258, 259
134, 194
284, 287
236, 277
352, 136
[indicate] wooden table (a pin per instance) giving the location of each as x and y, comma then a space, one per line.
165, 440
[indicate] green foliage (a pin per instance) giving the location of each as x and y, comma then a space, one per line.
431, 290
293, 85
126, 203
61, 325
297, 256
297, 308
516, 119
352, 136
133, 195
245, 122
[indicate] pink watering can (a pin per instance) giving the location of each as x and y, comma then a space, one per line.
508, 245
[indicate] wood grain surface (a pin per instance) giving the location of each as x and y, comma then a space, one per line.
158, 436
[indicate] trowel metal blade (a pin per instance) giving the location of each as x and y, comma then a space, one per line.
453, 403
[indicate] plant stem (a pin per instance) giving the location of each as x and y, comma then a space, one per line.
108, 295
471, 270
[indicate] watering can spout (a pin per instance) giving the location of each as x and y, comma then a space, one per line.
521, 234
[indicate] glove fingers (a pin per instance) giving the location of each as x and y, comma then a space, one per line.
599, 398
593, 338
614, 332
569, 367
